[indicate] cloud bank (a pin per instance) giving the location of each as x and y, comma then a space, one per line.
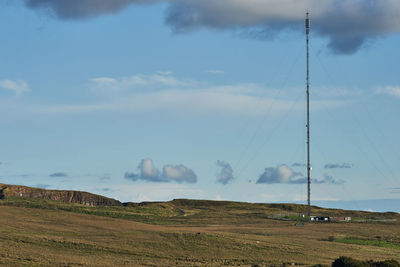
347, 24
166, 93
159, 80
226, 173
170, 173
282, 174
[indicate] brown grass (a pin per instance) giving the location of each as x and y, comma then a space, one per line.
221, 235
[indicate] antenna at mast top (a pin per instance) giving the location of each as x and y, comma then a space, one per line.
307, 23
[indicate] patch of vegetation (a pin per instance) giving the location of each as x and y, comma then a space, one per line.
349, 262
368, 242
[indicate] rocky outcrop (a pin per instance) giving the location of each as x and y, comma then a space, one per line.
78, 197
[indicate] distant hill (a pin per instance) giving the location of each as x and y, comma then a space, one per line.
177, 210
65, 196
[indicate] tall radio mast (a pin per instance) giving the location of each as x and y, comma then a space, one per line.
308, 119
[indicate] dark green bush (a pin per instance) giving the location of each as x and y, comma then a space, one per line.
387, 263
349, 262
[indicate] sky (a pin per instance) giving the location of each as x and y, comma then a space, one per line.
161, 99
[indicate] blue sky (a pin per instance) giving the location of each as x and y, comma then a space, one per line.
193, 99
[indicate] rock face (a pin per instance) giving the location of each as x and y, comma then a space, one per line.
77, 197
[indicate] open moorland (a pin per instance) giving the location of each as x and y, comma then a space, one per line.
43, 232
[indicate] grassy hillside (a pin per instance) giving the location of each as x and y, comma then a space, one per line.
185, 233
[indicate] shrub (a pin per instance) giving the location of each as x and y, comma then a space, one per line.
349, 262
331, 238
387, 263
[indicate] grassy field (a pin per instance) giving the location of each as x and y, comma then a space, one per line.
186, 233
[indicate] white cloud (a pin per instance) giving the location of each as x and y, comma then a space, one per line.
179, 173
187, 103
165, 92
170, 173
283, 174
104, 80
183, 97
226, 173
215, 71
151, 192
165, 72
18, 87
390, 90
148, 169
329, 92
162, 79
142, 198
278, 175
